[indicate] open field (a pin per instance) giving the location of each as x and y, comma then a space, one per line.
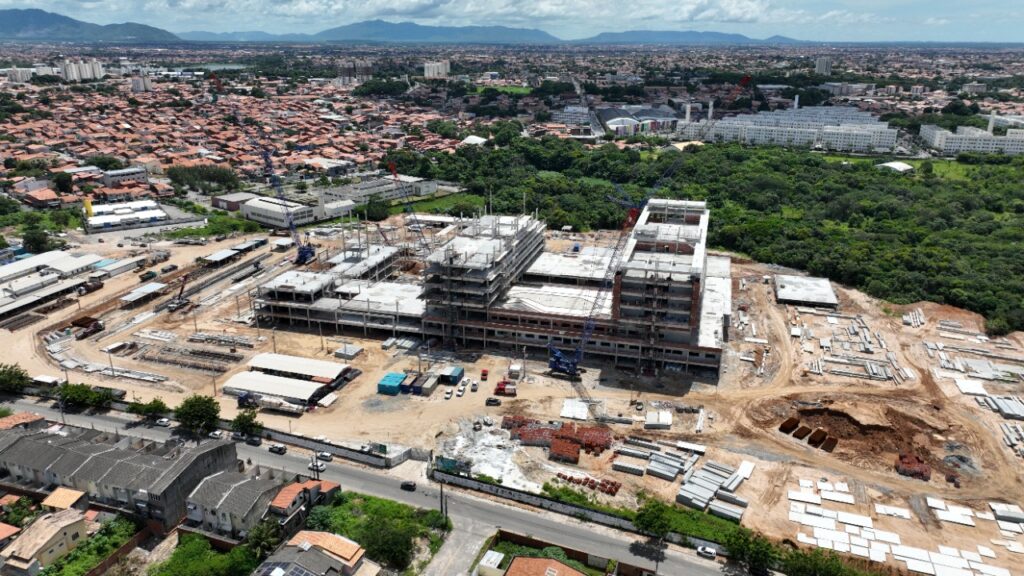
523, 90
942, 168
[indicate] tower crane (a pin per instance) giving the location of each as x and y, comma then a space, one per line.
306, 253
567, 363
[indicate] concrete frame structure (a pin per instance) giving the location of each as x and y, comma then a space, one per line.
493, 286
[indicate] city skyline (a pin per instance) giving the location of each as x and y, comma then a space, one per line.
837, 21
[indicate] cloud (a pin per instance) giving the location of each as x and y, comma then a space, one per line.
934, 21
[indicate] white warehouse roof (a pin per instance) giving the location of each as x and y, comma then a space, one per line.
309, 367
268, 385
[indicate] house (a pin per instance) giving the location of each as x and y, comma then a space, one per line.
6, 533
147, 478
22, 420
231, 503
294, 501
321, 553
47, 539
524, 566
64, 498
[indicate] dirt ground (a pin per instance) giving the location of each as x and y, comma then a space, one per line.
761, 385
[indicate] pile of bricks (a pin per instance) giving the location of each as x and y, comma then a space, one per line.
564, 451
911, 465
591, 439
604, 486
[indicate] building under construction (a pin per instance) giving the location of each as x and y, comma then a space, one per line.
493, 285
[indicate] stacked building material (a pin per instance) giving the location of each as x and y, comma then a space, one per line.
911, 465
564, 451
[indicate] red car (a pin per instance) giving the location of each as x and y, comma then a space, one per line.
483, 375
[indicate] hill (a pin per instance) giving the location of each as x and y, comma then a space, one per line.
692, 37
381, 31
39, 25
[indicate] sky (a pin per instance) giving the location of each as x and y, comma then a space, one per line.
825, 20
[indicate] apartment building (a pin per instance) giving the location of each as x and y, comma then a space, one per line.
827, 127
823, 66
439, 69
971, 139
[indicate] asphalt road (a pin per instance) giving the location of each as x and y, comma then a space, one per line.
475, 518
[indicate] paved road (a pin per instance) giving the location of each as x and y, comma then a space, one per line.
475, 518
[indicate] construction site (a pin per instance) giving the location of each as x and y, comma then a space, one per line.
613, 362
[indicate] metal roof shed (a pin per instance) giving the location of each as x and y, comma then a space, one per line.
220, 256
298, 367
288, 389
142, 293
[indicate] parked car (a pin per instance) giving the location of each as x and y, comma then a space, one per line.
448, 394
409, 486
278, 448
492, 401
165, 422
639, 406
254, 441
460, 392
325, 456
216, 434
238, 436
707, 552
474, 387
169, 268
483, 375
318, 466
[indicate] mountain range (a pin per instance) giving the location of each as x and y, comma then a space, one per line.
40, 26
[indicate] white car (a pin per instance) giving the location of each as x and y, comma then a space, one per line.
325, 456
217, 434
318, 466
707, 552
165, 422
448, 395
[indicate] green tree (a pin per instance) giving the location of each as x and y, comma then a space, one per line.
75, 395
247, 423
376, 209
319, 519
151, 410
35, 240
389, 540
653, 518
198, 414
264, 538
63, 183
13, 378
104, 162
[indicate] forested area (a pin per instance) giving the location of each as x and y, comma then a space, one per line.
952, 237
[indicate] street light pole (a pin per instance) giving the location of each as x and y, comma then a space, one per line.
111, 359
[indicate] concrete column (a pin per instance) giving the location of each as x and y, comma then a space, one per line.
688, 106
711, 110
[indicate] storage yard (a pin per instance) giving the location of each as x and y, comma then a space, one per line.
800, 408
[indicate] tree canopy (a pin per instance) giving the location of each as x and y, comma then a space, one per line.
951, 236
198, 414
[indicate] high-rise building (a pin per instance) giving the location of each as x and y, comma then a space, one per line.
436, 69
20, 74
142, 84
823, 66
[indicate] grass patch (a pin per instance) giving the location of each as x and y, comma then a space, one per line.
94, 550
453, 203
521, 90
392, 533
217, 223
5, 411
948, 169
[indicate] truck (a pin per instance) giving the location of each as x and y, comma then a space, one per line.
505, 388
90, 286
147, 276
94, 328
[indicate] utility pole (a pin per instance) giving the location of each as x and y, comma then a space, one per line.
273, 338
111, 359
195, 323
